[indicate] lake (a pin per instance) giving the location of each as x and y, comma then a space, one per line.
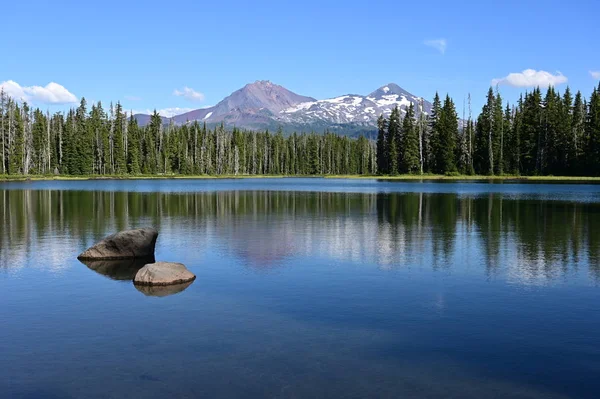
312, 288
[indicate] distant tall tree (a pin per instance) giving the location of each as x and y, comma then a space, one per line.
394, 141
531, 132
497, 133
423, 136
120, 165
133, 148
446, 131
382, 155
484, 154
567, 157
433, 140
410, 143
84, 164
593, 133
578, 133
3, 114
17, 140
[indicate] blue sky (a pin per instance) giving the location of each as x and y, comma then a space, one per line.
144, 53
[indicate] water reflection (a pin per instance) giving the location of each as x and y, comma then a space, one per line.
162, 290
529, 241
118, 269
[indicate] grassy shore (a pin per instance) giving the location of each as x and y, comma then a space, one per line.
5, 178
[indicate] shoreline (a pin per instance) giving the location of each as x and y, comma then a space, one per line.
414, 178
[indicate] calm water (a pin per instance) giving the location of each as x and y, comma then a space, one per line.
305, 288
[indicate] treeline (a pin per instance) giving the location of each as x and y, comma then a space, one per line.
97, 142
542, 134
549, 134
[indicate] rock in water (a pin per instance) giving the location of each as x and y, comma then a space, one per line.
163, 273
129, 244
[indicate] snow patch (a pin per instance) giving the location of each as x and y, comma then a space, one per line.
207, 116
299, 107
386, 89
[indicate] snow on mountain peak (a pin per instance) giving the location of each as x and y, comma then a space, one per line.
263, 104
351, 108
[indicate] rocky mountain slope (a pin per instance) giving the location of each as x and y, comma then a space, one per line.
265, 105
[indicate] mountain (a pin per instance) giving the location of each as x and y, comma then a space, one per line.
265, 105
254, 106
144, 119
353, 108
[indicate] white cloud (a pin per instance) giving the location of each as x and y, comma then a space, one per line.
438, 44
166, 112
531, 78
52, 93
595, 74
133, 98
189, 94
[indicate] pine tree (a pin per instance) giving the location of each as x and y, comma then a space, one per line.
119, 153
382, 154
432, 142
17, 142
410, 143
484, 142
566, 154
496, 138
505, 139
593, 134
84, 162
133, 148
394, 141
446, 131
531, 132
578, 134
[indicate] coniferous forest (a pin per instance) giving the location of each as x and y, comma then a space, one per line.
549, 133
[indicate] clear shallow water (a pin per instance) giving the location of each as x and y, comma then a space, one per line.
305, 288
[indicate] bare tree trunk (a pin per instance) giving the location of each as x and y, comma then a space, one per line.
490, 146
48, 165
470, 138
500, 165
10, 126
2, 131
60, 144
111, 140
420, 126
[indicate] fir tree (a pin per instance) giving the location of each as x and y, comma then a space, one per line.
382, 154
133, 148
394, 141
410, 143
578, 134
447, 130
433, 142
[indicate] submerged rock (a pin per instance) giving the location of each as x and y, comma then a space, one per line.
163, 273
129, 244
124, 269
162, 290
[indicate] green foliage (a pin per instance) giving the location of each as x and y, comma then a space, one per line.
550, 134
410, 143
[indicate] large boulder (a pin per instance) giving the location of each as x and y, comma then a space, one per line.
163, 273
129, 244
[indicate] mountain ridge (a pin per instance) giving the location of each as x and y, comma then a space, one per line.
265, 105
